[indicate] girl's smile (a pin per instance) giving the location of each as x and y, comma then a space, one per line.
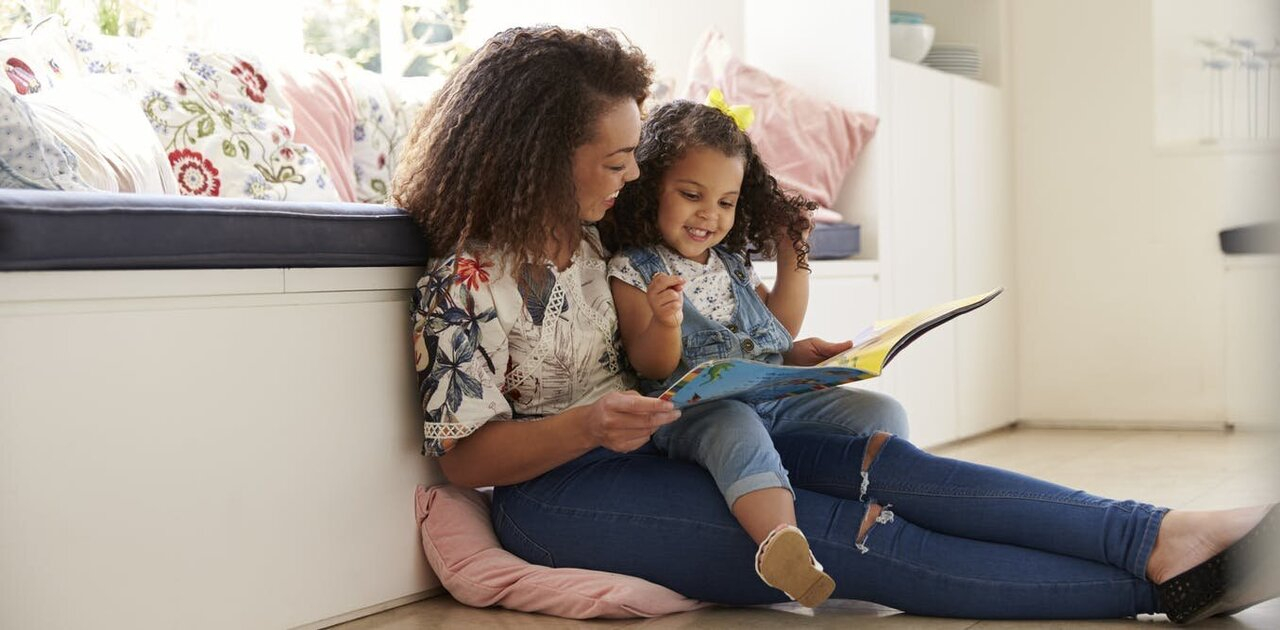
698, 201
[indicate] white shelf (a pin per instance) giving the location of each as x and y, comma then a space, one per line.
849, 268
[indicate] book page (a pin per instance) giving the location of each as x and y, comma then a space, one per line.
876, 345
752, 382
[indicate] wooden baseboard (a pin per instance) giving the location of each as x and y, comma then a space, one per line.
372, 610
1126, 425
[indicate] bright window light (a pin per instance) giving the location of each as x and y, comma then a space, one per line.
395, 37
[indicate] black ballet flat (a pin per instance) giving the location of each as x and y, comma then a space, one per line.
1240, 576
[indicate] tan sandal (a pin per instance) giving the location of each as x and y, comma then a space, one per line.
785, 562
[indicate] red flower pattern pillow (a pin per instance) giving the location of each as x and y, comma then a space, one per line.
222, 118
196, 174
255, 87
37, 59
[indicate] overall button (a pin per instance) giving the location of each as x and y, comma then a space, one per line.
742, 275
748, 346
733, 327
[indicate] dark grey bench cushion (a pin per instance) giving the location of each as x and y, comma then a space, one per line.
44, 230
830, 241
97, 230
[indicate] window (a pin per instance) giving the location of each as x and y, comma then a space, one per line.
395, 37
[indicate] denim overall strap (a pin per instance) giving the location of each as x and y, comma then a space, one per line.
762, 336
753, 334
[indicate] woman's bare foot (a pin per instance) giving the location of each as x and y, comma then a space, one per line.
1187, 538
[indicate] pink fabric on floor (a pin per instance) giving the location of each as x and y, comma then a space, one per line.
464, 552
324, 113
807, 143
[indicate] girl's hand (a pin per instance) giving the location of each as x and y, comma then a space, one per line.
812, 351
666, 299
623, 421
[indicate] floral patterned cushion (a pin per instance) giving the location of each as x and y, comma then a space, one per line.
104, 54
377, 132
38, 60
228, 131
226, 124
222, 118
386, 109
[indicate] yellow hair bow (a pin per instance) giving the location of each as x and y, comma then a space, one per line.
742, 115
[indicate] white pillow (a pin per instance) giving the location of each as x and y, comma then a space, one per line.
104, 126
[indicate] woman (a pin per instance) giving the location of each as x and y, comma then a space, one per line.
523, 387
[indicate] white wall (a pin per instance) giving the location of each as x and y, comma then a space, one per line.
1120, 279
781, 40
666, 30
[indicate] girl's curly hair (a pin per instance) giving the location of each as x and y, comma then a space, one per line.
488, 163
764, 211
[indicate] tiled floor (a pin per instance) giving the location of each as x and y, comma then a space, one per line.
1191, 469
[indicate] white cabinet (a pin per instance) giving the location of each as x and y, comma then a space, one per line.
986, 353
844, 297
921, 243
950, 235
932, 192
1252, 339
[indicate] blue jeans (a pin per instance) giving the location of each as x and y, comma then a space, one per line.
734, 440
964, 540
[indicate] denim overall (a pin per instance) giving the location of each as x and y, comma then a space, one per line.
753, 334
734, 440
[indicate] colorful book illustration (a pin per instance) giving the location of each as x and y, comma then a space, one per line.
755, 382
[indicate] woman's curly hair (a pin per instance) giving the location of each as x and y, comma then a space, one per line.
488, 163
764, 211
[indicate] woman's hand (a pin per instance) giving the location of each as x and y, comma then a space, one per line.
812, 351
623, 421
665, 299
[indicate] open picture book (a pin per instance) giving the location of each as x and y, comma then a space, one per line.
755, 382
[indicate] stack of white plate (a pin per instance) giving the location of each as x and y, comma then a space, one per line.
961, 59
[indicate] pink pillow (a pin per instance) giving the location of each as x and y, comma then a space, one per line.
324, 111
461, 547
808, 144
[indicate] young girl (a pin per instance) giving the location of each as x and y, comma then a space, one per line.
685, 292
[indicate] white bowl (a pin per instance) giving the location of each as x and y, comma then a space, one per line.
910, 42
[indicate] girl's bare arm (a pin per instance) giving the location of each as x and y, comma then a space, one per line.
650, 324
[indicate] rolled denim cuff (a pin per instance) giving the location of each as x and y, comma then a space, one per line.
1148, 544
758, 481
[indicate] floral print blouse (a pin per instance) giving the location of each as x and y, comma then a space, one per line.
490, 344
